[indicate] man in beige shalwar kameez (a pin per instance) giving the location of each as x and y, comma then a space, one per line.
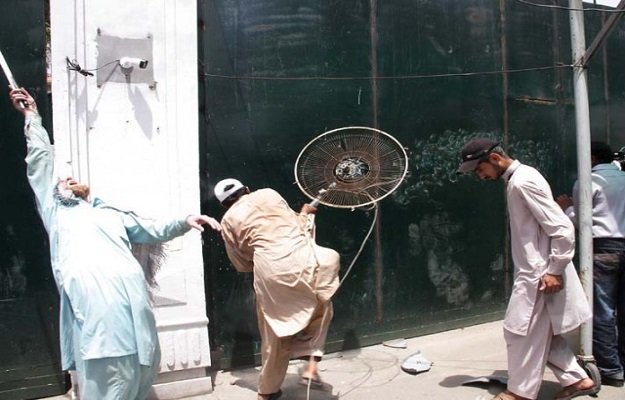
294, 278
547, 299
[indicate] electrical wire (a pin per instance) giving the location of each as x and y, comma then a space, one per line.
73, 65
102, 66
529, 3
362, 245
390, 77
374, 207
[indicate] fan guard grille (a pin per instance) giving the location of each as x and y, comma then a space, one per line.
364, 164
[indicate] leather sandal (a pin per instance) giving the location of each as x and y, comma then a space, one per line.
505, 396
273, 396
571, 391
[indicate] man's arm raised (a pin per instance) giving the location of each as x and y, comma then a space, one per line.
40, 153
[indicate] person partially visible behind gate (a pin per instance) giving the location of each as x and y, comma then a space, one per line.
608, 236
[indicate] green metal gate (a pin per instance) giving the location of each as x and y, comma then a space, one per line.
276, 73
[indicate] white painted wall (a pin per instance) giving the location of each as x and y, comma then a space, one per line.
137, 146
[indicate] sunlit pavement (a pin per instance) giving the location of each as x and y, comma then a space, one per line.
375, 372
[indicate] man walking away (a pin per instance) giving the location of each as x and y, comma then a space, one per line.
547, 298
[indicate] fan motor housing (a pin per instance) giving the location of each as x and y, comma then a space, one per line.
352, 169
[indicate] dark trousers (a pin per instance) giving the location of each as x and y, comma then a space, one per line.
609, 306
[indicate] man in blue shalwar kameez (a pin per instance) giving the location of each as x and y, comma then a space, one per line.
107, 328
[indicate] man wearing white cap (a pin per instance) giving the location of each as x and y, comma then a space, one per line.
547, 298
294, 278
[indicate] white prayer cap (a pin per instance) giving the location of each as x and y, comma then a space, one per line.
226, 187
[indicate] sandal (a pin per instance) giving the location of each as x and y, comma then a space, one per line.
571, 391
273, 396
505, 395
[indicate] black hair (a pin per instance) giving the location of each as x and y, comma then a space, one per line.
602, 152
499, 150
230, 200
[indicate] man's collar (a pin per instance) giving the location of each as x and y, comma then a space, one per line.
604, 166
510, 170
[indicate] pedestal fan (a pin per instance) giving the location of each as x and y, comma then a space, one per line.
351, 167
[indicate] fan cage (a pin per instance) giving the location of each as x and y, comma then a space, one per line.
363, 164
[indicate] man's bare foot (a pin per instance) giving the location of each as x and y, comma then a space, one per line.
508, 395
311, 371
585, 383
583, 387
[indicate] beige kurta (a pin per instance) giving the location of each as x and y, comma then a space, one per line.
292, 275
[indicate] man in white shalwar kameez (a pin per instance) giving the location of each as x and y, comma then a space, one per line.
107, 328
294, 278
547, 298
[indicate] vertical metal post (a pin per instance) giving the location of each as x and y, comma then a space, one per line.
508, 267
606, 85
378, 261
584, 199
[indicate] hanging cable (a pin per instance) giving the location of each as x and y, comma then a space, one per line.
529, 3
362, 245
73, 65
390, 77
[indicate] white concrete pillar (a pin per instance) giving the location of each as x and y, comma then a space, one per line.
133, 136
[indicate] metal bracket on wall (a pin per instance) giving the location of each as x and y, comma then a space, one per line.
111, 48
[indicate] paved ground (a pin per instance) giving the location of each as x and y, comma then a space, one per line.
374, 372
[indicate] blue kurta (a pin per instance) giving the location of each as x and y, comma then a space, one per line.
102, 286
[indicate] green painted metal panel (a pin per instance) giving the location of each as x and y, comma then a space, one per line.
275, 73
29, 360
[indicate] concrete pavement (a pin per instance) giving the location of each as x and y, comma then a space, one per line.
374, 372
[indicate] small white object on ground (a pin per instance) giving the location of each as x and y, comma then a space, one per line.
396, 343
416, 363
